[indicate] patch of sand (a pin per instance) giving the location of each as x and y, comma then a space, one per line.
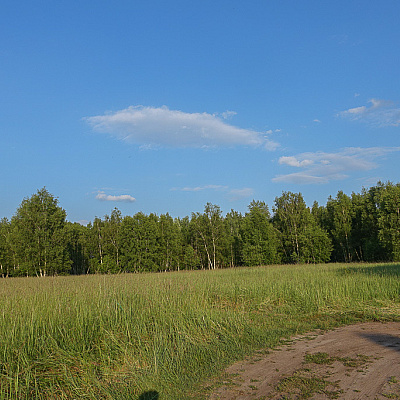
362, 362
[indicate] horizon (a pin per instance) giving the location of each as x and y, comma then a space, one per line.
223, 212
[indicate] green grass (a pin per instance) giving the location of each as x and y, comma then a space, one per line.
319, 358
326, 359
161, 336
298, 386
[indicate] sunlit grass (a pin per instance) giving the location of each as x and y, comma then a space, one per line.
119, 336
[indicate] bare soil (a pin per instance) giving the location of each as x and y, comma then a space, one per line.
353, 362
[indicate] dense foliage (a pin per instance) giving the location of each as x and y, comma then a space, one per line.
39, 241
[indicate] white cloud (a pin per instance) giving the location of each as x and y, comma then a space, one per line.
302, 178
321, 167
201, 188
380, 113
270, 145
294, 162
270, 131
355, 111
228, 114
151, 126
126, 198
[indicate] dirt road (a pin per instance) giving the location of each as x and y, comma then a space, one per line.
353, 362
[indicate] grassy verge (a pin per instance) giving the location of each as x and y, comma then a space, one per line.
158, 336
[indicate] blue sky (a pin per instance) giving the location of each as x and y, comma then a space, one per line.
163, 106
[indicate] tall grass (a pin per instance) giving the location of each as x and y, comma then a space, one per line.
121, 336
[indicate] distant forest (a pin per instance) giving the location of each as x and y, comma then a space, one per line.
39, 241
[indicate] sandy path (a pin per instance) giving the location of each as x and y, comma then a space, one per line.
357, 362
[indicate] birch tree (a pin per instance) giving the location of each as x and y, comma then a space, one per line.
340, 212
302, 239
209, 227
39, 236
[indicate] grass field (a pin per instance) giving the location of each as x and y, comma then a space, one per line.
163, 336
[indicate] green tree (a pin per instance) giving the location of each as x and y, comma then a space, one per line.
38, 230
7, 249
260, 243
140, 243
365, 225
129, 232
95, 245
111, 237
340, 216
388, 211
303, 240
76, 237
320, 215
209, 227
190, 253
150, 243
233, 249
190, 258
169, 243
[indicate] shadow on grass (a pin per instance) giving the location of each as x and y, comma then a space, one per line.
380, 269
385, 340
151, 395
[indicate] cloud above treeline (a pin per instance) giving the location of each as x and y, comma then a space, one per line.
154, 127
322, 167
201, 188
379, 113
125, 198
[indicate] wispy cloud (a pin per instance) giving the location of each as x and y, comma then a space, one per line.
233, 194
321, 167
271, 131
294, 162
201, 188
228, 114
340, 38
126, 198
151, 126
379, 113
237, 194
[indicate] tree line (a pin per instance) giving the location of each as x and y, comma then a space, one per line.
39, 241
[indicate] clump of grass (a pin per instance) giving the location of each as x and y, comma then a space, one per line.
390, 395
326, 359
319, 358
122, 336
304, 387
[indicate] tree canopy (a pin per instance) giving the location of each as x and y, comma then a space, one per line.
39, 241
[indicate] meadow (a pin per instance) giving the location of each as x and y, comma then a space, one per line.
170, 335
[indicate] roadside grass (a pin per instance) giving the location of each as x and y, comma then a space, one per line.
161, 336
